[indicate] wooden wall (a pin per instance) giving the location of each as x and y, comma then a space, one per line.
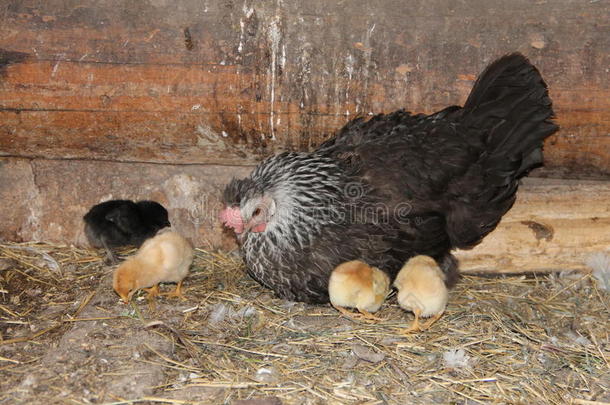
228, 82
168, 99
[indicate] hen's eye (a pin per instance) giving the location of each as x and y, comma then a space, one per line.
256, 212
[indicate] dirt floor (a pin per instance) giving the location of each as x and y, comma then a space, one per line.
65, 338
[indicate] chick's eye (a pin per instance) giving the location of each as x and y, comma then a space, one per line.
256, 212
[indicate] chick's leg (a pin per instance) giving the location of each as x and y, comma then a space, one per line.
177, 293
431, 321
111, 258
415, 327
362, 316
368, 315
343, 311
153, 292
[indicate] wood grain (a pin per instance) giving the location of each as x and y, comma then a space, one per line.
118, 80
554, 225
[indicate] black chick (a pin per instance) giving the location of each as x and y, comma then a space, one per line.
118, 223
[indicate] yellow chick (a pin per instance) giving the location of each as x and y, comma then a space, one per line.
357, 285
422, 290
165, 258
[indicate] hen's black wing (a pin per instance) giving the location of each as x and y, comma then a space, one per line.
457, 169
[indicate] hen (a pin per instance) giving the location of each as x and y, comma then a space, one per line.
393, 187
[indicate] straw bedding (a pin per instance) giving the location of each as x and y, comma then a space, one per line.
66, 338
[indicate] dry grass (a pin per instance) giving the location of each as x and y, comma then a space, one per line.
503, 339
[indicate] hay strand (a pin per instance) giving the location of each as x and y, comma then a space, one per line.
503, 339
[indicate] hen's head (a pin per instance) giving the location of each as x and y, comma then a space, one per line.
248, 208
289, 195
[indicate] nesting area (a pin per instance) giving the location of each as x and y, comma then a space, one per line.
66, 338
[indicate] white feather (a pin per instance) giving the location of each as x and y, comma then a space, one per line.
600, 264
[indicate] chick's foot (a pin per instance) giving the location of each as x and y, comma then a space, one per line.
415, 326
176, 293
363, 316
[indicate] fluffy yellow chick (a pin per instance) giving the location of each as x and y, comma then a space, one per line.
165, 258
357, 285
422, 290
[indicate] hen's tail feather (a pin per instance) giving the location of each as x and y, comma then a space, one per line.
510, 109
510, 104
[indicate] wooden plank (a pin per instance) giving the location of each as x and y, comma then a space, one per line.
280, 76
516, 247
554, 225
77, 110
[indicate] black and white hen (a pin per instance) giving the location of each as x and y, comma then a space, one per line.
392, 187
118, 223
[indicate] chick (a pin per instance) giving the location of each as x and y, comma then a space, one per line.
422, 290
117, 223
357, 285
165, 258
